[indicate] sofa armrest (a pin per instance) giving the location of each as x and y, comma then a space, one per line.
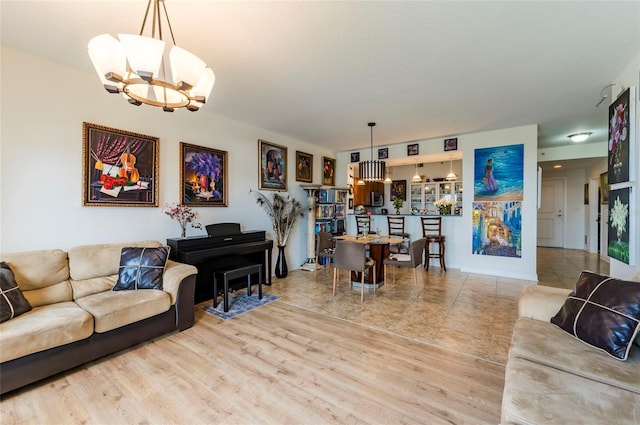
541, 302
174, 274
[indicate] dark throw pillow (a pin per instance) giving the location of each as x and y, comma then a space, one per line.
141, 268
603, 312
12, 302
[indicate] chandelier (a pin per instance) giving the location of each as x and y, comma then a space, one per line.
371, 171
136, 66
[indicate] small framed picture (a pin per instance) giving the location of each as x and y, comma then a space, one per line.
383, 153
355, 156
328, 171
304, 167
413, 149
451, 144
350, 203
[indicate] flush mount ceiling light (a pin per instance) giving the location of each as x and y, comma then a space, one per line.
137, 67
451, 175
371, 171
579, 137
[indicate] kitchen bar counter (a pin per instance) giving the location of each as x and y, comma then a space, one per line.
451, 229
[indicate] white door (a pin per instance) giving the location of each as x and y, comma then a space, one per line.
551, 214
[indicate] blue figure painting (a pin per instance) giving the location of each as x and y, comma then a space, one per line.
499, 173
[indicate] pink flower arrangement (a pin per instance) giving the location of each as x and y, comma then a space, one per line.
183, 215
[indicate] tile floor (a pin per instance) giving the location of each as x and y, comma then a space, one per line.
463, 312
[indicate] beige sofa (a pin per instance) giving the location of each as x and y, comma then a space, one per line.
554, 378
76, 317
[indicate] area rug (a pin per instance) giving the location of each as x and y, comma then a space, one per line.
239, 304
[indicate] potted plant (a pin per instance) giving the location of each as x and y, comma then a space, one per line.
397, 204
284, 212
444, 205
183, 215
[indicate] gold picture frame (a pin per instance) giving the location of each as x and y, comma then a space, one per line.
119, 168
304, 167
204, 179
272, 166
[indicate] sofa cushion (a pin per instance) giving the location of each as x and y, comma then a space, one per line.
89, 261
12, 302
43, 276
549, 345
86, 287
141, 268
112, 310
603, 312
538, 394
42, 328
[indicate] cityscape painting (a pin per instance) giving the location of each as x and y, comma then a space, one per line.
497, 228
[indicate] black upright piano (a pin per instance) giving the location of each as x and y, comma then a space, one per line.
225, 246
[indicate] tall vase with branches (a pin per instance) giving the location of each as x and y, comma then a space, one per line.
284, 212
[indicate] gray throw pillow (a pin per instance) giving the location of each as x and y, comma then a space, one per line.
603, 312
141, 268
12, 302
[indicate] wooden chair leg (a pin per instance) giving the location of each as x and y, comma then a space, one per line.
362, 288
415, 279
334, 281
442, 257
393, 271
385, 274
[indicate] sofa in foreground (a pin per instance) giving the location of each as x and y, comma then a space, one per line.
553, 377
74, 316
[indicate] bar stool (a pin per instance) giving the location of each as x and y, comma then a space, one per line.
396, 228
432, 232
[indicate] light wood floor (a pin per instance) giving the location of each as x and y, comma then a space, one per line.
278, 364
286, 364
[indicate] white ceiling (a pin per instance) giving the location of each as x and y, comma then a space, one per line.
318, 71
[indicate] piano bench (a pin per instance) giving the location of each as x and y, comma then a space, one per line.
228, 274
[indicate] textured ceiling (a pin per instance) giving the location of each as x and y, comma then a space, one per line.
319, 71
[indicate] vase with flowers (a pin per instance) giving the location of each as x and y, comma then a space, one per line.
183, 215
284, 212
444, 205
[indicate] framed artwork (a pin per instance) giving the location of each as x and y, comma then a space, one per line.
304, 167
350, 203
273, 166
499, 173
618, 247
451, 144
604, 188
119, 168
383, 153
328, 171
619, 134
497, 228
355, 156
204, 179
412, 149
399, 189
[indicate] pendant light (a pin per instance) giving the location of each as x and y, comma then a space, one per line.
416, 178
387, 180
451, 175
373, 170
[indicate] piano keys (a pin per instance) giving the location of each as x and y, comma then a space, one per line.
225, 246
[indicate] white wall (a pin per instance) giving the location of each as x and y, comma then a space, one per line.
43, 107
521, 268
630, 76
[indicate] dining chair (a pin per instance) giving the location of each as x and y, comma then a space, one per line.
413, 261
396, 228
432, 232
364, 224
351, 256
325, 248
